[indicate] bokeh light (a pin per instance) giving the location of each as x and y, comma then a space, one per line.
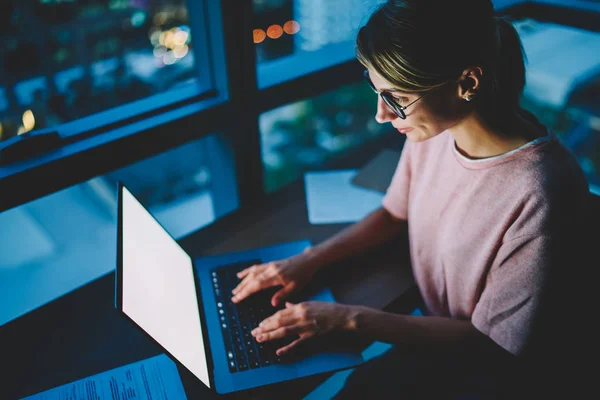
180, 38
291, 27
159, 51
275, 31
160, 18
138, 18
180, 51
154, 37
259, 35
28, 120
169, 58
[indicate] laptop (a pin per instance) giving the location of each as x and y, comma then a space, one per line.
184, 305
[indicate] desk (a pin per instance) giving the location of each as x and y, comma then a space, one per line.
81, 334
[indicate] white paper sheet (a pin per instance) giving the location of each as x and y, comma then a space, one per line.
331, 197
155, 378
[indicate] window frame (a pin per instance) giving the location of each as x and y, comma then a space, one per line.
232, 109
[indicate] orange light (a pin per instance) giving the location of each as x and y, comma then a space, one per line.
291, 27
259, 35
275, 31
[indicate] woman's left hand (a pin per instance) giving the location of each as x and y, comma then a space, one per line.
305, 320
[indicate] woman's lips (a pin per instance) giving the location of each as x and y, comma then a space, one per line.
404, 130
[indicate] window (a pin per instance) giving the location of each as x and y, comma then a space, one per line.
563, 85
295, 37
62, 60
309, 133
57, 243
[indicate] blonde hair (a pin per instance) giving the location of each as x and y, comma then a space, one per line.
418, 45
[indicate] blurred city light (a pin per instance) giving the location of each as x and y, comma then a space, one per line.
259, 35
181, 37
154, 37
28, 120
138, 18
159, 51
180, 51
169, 58
160, 18
291, 27
275, 31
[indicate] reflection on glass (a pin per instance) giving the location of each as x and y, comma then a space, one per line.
563, 86
64, 60
311, 132
55, 244
283, 27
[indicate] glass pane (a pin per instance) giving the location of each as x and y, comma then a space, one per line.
563, 86
284, 27
55, 244
61, 60
311, 132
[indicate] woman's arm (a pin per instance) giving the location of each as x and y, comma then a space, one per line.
430, 333
294, 272
374, 230
437, 335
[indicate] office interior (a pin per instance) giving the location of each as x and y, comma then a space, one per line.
206, 109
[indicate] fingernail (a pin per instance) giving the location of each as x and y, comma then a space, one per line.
254, 332
259, 338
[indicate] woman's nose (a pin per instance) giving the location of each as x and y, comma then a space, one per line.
384, 113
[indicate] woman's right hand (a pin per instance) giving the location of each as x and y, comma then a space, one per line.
292, 273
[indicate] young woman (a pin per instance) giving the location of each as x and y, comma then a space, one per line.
490, 200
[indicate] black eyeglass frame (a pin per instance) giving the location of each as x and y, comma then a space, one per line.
389, 99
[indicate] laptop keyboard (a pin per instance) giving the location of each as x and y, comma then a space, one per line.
238, 320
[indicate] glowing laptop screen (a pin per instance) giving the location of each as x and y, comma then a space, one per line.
158, 288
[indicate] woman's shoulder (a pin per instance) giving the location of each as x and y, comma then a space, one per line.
554, 167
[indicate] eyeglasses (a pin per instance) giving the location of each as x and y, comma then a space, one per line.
389, 99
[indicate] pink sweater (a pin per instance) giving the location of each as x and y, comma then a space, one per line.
484, 233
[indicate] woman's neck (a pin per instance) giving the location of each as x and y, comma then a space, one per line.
476, 139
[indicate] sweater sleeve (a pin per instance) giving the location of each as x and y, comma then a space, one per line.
513, 290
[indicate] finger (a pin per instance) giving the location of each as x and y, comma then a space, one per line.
282, 294
252, 287
244, 282
256, 274
246, 271
286, 349
276, 320
251, 272
280, 333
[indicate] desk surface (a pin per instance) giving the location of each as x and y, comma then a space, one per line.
81, 334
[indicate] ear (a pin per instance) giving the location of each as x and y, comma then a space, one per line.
469, 83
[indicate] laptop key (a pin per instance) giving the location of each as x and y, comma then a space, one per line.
265, 362
253, 362
232, 367
239, 351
